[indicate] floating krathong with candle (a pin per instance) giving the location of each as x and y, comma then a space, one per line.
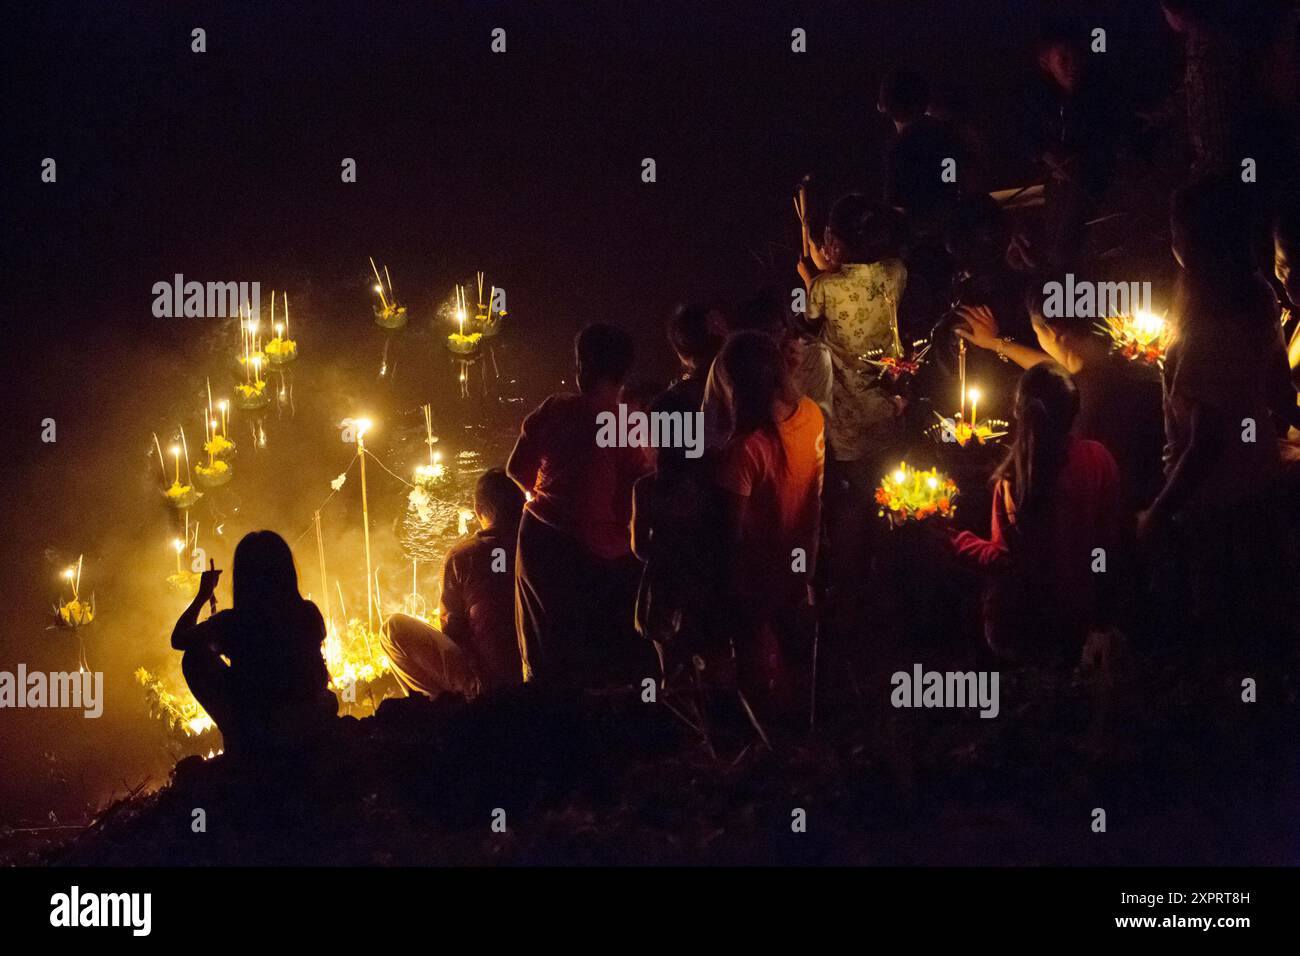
182, 580
909, 494
253, 394
214, 474
435, 473
75, 612
488, 318
1140, 336
389, 313
178, 494
281, 350
460, 342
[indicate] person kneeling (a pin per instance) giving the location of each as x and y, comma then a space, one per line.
476, 649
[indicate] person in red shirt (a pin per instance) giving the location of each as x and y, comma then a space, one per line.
476, 649
771, 473
1057, 512
576, 577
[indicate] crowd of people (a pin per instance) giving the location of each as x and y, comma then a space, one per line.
762, 567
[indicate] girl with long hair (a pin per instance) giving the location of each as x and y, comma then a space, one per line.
1056, 520
273, 692
770, 474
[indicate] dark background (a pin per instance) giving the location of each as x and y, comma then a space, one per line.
225, 166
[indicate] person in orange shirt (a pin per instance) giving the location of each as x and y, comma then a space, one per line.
575, 575
771, 474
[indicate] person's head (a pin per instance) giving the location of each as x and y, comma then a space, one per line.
863, 231
754, 380
765, 311
904, 96
265, 579
498, 502
1067, 339
690, 333
1286, 252
1061, 59
603, 354
1046, 405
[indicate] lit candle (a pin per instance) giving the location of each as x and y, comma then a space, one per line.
223, 405
961, 376
176, 453
974, 397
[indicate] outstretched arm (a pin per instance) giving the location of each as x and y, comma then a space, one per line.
186, 633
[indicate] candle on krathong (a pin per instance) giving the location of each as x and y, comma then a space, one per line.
185, 448
286, 313
379, 283
225, 407
460, 309
176, 454
974, 399
961, 378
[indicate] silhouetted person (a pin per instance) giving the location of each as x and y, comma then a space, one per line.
476, 649
576, 577
770, 473
676, 530
273, 694
1076, 144
1216, 520
693, 338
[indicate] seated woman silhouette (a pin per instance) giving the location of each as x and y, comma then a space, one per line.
257, 668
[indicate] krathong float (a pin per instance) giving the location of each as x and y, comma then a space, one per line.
908, 494
896, 368
967, 433
252, 393
74, 613
459, 342
179, 494
389, 313
281, 350
1140, 336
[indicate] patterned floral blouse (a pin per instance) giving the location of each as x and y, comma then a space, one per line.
860, 305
